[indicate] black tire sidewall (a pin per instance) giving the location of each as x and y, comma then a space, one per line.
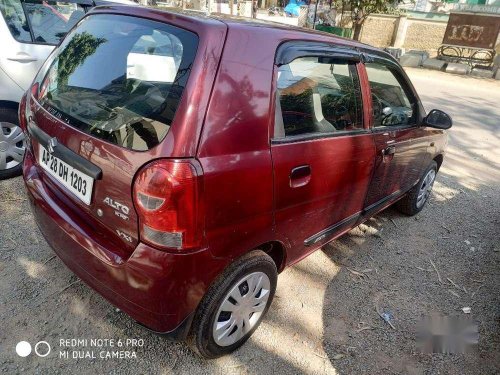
10, 115
205, 343
12, 172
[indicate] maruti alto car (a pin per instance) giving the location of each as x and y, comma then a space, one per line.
178, 162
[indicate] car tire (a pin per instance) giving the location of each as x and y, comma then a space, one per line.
8, 121
258, 272
414, 201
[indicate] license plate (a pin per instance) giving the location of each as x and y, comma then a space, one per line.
75, 181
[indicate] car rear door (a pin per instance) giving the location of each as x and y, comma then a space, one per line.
322, 150
101, 113
394, 122
34, 28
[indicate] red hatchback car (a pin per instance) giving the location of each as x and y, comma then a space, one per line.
177, 162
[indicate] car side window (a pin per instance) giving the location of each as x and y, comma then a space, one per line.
51, 20
319, 95
14, 16
392, 102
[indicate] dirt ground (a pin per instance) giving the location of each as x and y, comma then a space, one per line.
323, 318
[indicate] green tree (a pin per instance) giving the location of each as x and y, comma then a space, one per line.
76, 52
361, 9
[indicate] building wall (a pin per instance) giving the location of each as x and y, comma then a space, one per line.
424, 35
378, 30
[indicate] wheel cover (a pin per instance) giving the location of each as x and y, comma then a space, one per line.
12, 145
241, 308
426, 188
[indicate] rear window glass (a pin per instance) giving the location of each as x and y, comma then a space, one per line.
120, 79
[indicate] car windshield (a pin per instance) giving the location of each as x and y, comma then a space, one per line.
120, 79
51, 20
15, 18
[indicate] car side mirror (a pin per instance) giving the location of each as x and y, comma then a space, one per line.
438, 119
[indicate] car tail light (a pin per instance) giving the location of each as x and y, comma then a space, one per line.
167, 196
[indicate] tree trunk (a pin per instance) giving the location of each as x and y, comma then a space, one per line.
357, 30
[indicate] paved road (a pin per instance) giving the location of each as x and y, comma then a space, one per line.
316, 322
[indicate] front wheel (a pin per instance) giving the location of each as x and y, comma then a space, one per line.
414, 201
234, 305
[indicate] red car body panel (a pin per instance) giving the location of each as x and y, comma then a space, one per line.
238, 175
335, 192
225, 120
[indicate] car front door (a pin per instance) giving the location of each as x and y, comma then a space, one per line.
394, 122
322, 150
33, 28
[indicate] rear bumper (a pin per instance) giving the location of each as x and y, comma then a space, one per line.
160, 290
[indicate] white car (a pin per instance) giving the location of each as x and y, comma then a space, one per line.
29, 31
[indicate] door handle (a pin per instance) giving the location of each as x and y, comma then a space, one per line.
23, 58
391, 150
300, 176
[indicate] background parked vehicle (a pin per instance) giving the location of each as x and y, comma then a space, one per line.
29, 30
179, 195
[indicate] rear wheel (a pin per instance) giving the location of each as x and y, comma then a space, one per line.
12, 144
234, 306
415, 199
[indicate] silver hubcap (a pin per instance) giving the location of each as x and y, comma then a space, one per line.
12, 145
241, 308
426, 187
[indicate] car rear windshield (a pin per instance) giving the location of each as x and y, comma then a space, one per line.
120, 78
